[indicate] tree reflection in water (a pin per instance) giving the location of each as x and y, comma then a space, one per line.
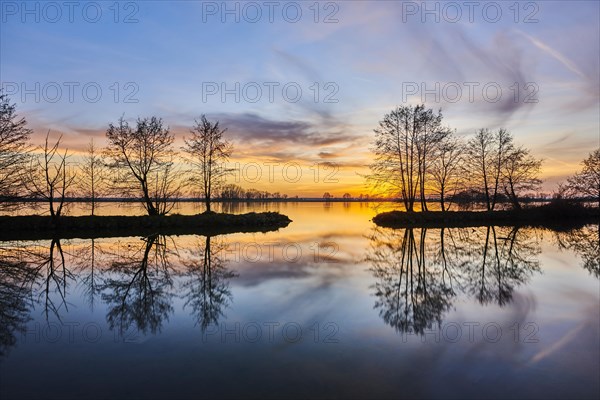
498, 260
86, 258
30, 274
412, 294
585, 242
49, 269
15, 304
138, 287
420, 271
206, 289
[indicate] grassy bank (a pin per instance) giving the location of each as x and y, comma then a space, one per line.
555, 216
42, 227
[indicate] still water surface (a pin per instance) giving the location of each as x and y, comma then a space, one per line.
330, 306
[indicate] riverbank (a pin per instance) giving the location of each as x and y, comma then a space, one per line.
42, 227
553, 216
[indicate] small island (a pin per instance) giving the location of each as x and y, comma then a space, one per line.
552, 215
32, 227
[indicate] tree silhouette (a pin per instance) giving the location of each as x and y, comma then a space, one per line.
14, 152
207, 152
520, 174
93, 175
142, 160
446, 170
486, 153
587, 181
49, 178
404, 143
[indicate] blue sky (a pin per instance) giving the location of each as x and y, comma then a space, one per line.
167, 55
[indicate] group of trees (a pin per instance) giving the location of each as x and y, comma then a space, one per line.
585, 183
139, 162
417, 157
144, 159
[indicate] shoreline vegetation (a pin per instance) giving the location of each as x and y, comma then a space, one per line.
33, 227
555, 215
468, 203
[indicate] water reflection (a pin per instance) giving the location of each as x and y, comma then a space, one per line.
419, 272
14, 297
499, 260
412, 294
85, 260
50, 272
586, 243
138, 286
206, 288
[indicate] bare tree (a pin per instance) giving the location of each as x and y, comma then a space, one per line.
486, 154
141, 156
447, 169
520, 174
93, 175
431, 134
504, 148
404, 144
207, 152
49, 178
587, 182
14, 149
167, 188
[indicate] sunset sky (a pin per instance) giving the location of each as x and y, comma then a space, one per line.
353, 61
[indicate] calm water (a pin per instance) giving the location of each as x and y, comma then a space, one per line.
330, 306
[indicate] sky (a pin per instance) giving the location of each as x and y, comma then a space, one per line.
300, 86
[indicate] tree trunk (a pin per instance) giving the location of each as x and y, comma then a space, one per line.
514, 198
149, 206
442, 200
